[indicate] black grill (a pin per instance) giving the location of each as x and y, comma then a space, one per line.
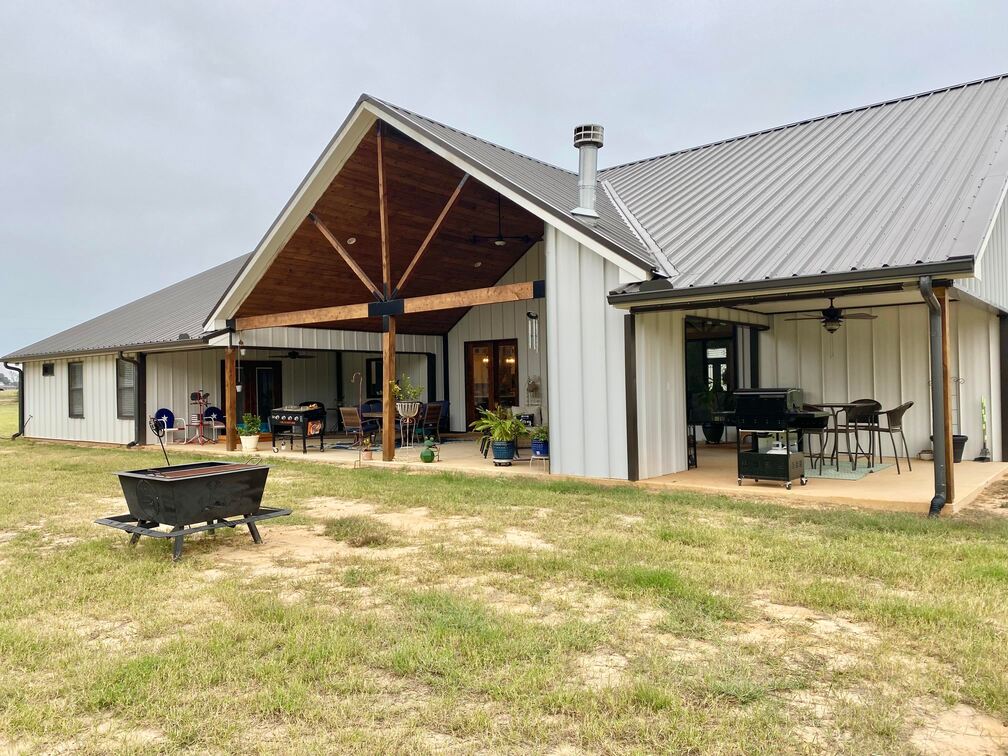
307, 420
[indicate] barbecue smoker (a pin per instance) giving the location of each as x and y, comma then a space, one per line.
307, 420
774, 419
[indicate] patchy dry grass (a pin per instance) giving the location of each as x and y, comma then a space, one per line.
434, 613
359, 530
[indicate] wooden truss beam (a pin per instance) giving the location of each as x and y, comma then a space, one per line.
431, 234
386, 252
346, 256
515, 292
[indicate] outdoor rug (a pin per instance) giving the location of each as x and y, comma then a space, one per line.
845, 472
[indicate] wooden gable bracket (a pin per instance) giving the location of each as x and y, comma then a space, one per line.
515, 292
430, 235
346, 257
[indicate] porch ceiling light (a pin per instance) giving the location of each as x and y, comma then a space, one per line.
351, 240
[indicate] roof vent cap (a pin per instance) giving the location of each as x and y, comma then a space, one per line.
588, 139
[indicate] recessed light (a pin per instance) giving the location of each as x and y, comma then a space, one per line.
477, 263
352, 240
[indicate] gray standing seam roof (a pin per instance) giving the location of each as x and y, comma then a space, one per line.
913, 181
156, 320
906, 182
551, 188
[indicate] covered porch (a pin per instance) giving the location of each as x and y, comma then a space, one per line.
400, 254
860, 342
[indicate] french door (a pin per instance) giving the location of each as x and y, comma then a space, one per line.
261, 391
491, 375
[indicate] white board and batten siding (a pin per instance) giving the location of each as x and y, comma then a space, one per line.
886, 359
47, 402
991, 282
661, 392
586, 362
505, 320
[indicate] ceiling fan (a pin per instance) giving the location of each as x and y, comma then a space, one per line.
501, 240
293, 354
833, 317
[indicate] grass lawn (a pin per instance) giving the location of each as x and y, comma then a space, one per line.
432, 613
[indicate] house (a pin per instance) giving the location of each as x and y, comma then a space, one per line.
413, 247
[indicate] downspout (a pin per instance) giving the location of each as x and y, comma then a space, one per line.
139, 426
21, 393
937, 395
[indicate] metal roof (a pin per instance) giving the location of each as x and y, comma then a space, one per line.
157, 320
907, 182
553, 189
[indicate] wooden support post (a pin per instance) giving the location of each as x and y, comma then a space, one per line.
386, 258
231, 398
388, 400
943, 300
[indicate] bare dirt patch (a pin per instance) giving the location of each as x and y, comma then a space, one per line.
296, 551
993, 500
959, 731
818, 623
602, 670
413, 521
522, 539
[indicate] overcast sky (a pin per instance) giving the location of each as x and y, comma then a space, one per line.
141, 142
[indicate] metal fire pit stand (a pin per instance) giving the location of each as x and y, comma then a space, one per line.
142, 528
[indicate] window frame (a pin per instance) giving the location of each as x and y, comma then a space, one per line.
71, 389
48, 369
128, 412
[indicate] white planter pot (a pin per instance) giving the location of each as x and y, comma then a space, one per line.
408, 409
249, 443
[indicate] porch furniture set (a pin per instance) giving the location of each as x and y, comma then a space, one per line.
366, 420
780, 427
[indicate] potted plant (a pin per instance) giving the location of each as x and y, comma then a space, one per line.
712, 400
248, 432
504, 430
540, 441
407, 396
367, 447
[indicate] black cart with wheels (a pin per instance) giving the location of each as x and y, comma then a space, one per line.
776, 417
780, 462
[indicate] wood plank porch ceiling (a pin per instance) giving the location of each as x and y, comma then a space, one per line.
308, 272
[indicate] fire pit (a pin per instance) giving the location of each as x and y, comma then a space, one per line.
180, 496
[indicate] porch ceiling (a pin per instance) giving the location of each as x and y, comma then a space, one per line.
308, 272
844, 301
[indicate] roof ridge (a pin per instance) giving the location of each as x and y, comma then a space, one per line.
414, 114
805, 121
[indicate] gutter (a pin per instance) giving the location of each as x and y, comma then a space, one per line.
139, 425
937, 397
151, 346
660, 290
21, 393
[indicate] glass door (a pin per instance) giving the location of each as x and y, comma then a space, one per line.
491, 375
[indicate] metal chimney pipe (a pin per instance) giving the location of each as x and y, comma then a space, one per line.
588, 140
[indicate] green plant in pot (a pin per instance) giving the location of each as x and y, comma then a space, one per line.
540, 441
407, 396
504, 430
248, 431
713, 401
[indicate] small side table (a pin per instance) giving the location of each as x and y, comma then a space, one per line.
544, 458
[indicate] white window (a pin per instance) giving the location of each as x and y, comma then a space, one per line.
125, 390
75, 388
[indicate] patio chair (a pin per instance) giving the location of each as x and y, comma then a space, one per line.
861, 416
817, 428
429, 422
894, 424
354, 426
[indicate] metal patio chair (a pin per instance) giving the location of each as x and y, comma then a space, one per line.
354, 426
894, 424
429, 422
